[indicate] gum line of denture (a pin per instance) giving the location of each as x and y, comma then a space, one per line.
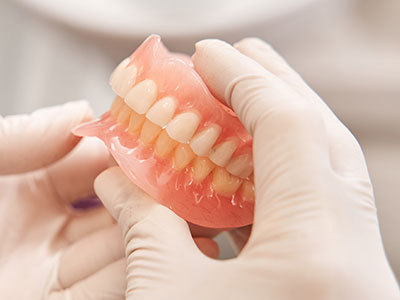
138, 108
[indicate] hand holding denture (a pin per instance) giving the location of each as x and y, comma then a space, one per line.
315, 233
48, 250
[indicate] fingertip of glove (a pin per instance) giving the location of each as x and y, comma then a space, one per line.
80, 110
252, 42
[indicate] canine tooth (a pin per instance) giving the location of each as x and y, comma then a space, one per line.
123, 115
135, 122
142, 96
116, 106
183, 126
224, 183
149, 132
164, 145
241, 165
247, 191
222, 153
201, 167
162, 111
183, 155
124, 78
203, 141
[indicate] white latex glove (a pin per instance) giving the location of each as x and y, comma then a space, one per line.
315, 232
47, 250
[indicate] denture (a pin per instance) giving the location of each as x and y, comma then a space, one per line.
177, 142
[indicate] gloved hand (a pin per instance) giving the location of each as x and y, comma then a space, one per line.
315, 232
47, 250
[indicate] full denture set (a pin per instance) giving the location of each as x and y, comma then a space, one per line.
176, 141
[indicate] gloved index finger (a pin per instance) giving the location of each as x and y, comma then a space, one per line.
290, 145
30, 142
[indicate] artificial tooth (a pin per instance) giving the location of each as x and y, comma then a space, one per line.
149, 132
183, 155
224, 183
241, 165
123, 115
162, 111
247, 191
203, 141
164, 145
183, 126
222, 153
135, 122
122, 65
142, 96
116, 106
124, 78
201, 167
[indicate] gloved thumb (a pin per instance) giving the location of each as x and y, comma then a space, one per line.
29, 142
158, 242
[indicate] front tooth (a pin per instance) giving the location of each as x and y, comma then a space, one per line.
142, 96
247, 191
221, 154
116, 106
224, 183
241, 165
149, 132
183, 126
162, 111
124, 79
123, 115
201, 167
164, 145
117, 72
203, 141
183, 155
135, 122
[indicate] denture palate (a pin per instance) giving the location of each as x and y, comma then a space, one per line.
136, 107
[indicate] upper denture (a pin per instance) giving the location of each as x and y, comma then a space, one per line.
187, 137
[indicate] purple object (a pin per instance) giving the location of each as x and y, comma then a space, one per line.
86, 203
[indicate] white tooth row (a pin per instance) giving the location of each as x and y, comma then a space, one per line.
181, 128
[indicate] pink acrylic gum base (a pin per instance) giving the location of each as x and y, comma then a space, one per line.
196, 203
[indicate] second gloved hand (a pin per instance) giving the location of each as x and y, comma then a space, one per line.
315, 233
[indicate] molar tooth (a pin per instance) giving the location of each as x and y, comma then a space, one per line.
164, 145
203, 141
124, 78
162, 111
149, 132
201, 167
241, 165
123, 115
142, 96
135, 122
224, 183
116, 106
183, 155
183, 126
221, 153
247, 191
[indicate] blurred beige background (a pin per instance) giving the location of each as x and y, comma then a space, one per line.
348, 51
